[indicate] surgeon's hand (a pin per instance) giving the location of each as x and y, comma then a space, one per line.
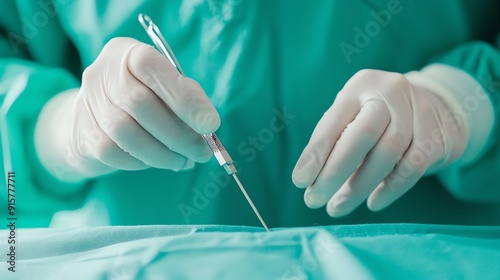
376, 141
133, 111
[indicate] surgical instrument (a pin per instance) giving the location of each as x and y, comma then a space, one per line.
212, 140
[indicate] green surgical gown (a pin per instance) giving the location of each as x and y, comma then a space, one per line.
271, 68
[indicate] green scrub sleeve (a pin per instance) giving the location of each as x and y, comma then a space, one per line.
477, 181
24, 89
32, 70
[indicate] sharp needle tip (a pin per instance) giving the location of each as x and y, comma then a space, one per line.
250, 202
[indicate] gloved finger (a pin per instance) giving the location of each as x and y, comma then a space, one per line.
132, 138
90, 140
356, 141
184, 96
423, 152
325, 135
157, 119
117, 158
406, 174
380, 161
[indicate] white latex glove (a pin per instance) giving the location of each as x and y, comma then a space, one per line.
376, 141
133, 111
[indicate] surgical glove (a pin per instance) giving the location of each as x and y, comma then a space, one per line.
376, 141
133, 111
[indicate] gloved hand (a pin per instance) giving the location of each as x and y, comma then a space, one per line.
133, 111
376, 141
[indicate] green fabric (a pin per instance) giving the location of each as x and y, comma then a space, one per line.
271, 68
405, 251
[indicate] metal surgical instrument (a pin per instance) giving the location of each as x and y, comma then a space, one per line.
212, 140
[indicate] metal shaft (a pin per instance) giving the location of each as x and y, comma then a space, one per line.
220, 152
212, 140
250, 202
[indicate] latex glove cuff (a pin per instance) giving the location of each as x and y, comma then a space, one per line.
466, 99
